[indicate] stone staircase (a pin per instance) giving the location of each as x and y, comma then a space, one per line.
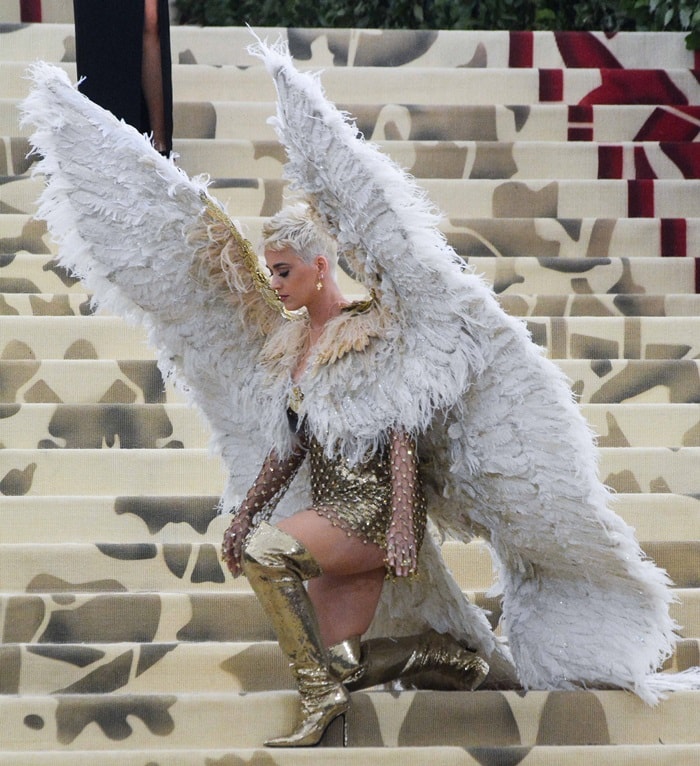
569, 175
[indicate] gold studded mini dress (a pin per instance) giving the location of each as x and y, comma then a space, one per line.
361, 498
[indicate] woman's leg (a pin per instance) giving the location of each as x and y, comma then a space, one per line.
277, 562
152, 75
345, 596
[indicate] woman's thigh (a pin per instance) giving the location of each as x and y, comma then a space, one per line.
337, 552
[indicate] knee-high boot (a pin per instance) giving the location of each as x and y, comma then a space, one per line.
429, 660
276, 566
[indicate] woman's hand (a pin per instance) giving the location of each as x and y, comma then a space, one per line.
401, 554
234, 539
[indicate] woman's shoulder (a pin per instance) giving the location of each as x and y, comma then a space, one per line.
353, 330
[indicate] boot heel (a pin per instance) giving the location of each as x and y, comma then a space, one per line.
336, 734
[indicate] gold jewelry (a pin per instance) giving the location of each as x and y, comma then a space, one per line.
319, 284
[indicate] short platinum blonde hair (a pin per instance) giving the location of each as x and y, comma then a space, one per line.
297, 226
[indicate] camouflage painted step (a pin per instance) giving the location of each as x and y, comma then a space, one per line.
71, 381
363, 47
197, 568
140, 668
517, 304
424, 85
444, 122
607, 338
195, 471
475, 198
635, 381
28, 380
26, 273
481, 198
112, 472
550, 237
459, 159
607, 304
588, 276
644, 425
156, 426
105, 337
228, 119
416, 755
465, 159
513, 237
102, 611
376, 719
195, 518
107, 426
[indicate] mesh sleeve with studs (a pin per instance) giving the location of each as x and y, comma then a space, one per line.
407, 500
270, 485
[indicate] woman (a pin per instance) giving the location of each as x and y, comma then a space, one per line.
365, 519
426, 398
123, 53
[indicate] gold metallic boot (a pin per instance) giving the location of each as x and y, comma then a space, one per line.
430, 660
276, 566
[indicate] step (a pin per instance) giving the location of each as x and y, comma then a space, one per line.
147, 472
606, 338
416, 755
107, 426
483, 198
106, 337
540, 276
108, 383
196, 567
174, 426
80, 381
466, 159
479, 198
54, 291
557, 276
552, 237
387, 47
644, 425
195, 471
140, 668
459, 159
637, 381
194, 518
515, 303
565, 305
375, 719
79, 611
426, 85
603, 123
23, 238
165, 519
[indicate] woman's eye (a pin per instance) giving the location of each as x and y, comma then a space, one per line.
283, 274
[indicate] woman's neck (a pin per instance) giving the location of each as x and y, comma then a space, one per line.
329, 304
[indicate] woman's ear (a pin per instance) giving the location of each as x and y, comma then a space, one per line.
321, 263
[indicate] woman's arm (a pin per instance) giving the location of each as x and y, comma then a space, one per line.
271, 483
402, 548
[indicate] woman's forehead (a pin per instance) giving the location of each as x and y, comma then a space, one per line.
284, 255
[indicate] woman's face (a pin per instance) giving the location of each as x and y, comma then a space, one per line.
291, 278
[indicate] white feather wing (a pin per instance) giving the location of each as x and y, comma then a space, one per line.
508, 453
133, 228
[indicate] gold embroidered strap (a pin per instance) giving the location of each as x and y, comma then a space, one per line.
248, 257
